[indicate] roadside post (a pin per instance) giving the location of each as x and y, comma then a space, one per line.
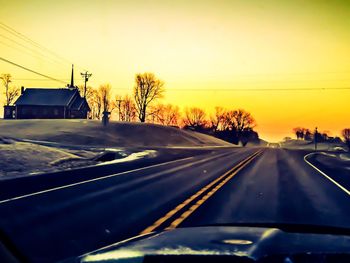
315, 138
105, 118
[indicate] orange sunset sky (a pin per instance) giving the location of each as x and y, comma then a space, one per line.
287, 62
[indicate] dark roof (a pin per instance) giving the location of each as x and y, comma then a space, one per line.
78, 102
46, 97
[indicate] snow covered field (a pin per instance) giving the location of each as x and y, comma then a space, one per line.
307, 145
116, 134
67, 144
22, 157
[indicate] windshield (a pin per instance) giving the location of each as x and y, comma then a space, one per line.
121, 118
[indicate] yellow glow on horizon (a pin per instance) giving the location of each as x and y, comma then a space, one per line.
203, 47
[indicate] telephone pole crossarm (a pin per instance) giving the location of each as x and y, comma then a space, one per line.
86, 77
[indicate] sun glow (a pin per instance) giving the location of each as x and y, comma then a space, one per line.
227, 53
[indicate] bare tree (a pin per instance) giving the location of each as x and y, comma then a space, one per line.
243, 120
11, 92
299, 132
239, 125
346, 136
93, 98
147, 89
89, 91
216, 120
95, 104
238, 120
105, 97
166, 114
307, 135
194, 117
126, 108
129, 109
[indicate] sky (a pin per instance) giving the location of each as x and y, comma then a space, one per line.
286, 62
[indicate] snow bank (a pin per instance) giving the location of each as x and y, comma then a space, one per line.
307, 145
116, 134
22, 157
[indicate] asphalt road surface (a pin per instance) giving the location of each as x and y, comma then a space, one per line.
46, 223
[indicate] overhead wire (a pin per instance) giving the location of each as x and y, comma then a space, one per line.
31, 70
37, 45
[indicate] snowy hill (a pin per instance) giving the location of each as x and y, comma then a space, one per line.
116, 134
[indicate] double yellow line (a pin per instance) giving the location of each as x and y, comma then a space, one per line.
201, 196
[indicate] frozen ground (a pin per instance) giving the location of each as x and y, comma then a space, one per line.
22, 157
307, 145
36, 146
116, 134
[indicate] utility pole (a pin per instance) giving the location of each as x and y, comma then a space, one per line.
86, 77
315, 138
119, 107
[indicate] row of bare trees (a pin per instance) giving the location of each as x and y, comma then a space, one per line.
231, 125
346, 136
147, 89
303, 133
99, 99
307, 135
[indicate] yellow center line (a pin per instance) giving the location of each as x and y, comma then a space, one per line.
197, 194
187, 213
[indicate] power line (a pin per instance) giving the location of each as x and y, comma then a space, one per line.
18, 49
265, 89
34, 43
30, 41
30, 70
33, 51
32, 79
286, 73
253, 89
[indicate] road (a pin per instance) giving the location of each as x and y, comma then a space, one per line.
225, 186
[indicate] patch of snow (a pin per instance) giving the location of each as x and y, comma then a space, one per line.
328, 154
132, 157
339, 149
116, 134
113, 149
23, 157
344, 156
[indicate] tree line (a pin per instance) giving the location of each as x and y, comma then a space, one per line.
308, 135
235, 126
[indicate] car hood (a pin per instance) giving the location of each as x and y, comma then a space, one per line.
249, 242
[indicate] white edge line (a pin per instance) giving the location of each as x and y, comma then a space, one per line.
92, 180
325, 175
102, 178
